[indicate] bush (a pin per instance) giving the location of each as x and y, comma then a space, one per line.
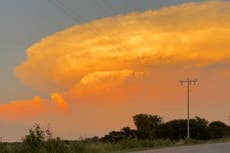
218, 129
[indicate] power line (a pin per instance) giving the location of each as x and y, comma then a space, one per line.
111, 9
189, 83
63, 10
78, 18
61, 6
107, 5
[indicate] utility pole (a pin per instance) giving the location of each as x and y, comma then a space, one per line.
229, 119
189, 83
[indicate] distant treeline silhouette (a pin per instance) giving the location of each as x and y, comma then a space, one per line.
150, 131
150, 127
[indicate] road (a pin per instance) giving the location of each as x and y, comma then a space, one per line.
206, 148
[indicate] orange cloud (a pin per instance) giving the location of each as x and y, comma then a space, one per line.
23, 109
131, 63
60, 102
133, 57
31, 109
194, 34
107, 86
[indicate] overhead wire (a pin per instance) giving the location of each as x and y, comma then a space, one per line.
63, 10
60, 5
110, 8
107, 5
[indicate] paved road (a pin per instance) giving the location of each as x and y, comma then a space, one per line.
207, 148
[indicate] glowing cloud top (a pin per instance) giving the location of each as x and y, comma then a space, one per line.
132, 63
197, 34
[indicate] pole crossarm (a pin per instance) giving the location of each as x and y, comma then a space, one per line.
189, 83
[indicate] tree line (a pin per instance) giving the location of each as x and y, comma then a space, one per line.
150, 131
150, 127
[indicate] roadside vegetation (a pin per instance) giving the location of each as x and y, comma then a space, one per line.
150, 132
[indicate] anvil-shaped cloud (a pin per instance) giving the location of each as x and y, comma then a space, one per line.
117, 48
116, 58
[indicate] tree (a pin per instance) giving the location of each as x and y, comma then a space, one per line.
146, 125
177, 129
129, 133
114, 137
218, 129
35, 139
199, 128
42, 141
174, 130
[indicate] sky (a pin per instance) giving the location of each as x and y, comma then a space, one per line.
86, 67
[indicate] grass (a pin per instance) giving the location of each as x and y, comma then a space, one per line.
156, 144
121, 147
99, 147
138, 145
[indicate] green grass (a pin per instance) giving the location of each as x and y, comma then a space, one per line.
137, 145
99, 147
123, 146
152, 144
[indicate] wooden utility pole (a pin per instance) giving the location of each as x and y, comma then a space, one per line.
189, 83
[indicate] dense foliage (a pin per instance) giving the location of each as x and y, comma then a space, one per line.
152, 127
150, 131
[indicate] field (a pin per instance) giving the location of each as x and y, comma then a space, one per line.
58, 146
